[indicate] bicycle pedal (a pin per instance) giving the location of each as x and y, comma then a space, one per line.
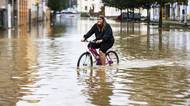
84, 64
110, 62
98, 63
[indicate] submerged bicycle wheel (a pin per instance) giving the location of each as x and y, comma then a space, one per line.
112, 58
85, 60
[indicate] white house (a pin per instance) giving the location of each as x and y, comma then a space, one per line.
38, 9
111, 11
175, 11
84, 6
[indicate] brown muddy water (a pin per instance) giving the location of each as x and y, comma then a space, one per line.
38, 66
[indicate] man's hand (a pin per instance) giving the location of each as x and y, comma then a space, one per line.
99, 41
83, 39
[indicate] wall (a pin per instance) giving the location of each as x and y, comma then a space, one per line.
3, 14
3, 4
85, 5
22, 12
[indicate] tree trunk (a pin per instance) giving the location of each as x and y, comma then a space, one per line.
121, 22
133, 14
121, 15
53, 18
173, 12
160, 39
127, 14
160, 17
148, 16
148, 37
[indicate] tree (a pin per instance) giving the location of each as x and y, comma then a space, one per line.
57, 5
121, 4
146, 4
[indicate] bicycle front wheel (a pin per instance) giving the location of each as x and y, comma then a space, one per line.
85, 60
112, 58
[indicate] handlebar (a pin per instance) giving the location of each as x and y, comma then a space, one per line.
91, 41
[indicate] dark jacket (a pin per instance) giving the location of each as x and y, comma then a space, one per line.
106, 34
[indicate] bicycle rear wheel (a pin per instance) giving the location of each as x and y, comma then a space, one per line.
85, 60
112, 58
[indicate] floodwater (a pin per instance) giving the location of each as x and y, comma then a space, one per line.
38, 66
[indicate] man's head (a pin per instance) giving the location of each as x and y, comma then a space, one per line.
100, 20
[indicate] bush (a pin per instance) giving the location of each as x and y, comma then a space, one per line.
84, 15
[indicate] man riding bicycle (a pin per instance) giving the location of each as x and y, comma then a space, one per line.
104, 37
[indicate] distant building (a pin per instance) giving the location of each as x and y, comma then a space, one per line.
3, 13
20, 12
12, 12
96, 6
112, 12
84, 6
37, 10
175, 11
22, 15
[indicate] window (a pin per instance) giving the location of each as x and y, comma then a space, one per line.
86, 8
1, 18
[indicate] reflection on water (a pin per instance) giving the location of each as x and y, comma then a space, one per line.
158, 85
153, 44
38, 66
16, 61
98, 85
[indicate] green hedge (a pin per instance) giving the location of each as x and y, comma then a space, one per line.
84, 15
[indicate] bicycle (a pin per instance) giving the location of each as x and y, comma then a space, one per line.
86, 58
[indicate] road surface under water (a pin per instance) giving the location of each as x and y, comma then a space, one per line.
38, 66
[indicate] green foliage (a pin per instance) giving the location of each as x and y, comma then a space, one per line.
57, 5
120, 4
85, 15
123, 4
146, 4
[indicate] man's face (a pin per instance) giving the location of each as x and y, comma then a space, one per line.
99, 21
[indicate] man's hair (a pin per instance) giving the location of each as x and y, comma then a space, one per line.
104, 23
102, 17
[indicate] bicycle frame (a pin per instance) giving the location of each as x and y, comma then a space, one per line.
92, 52
95, 54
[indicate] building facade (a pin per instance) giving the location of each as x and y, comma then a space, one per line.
84, 6
38, 10
175, 11
20, 12
22, 15
96, 6
12, 13
3, 13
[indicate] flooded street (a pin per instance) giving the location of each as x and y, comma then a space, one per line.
38, 66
